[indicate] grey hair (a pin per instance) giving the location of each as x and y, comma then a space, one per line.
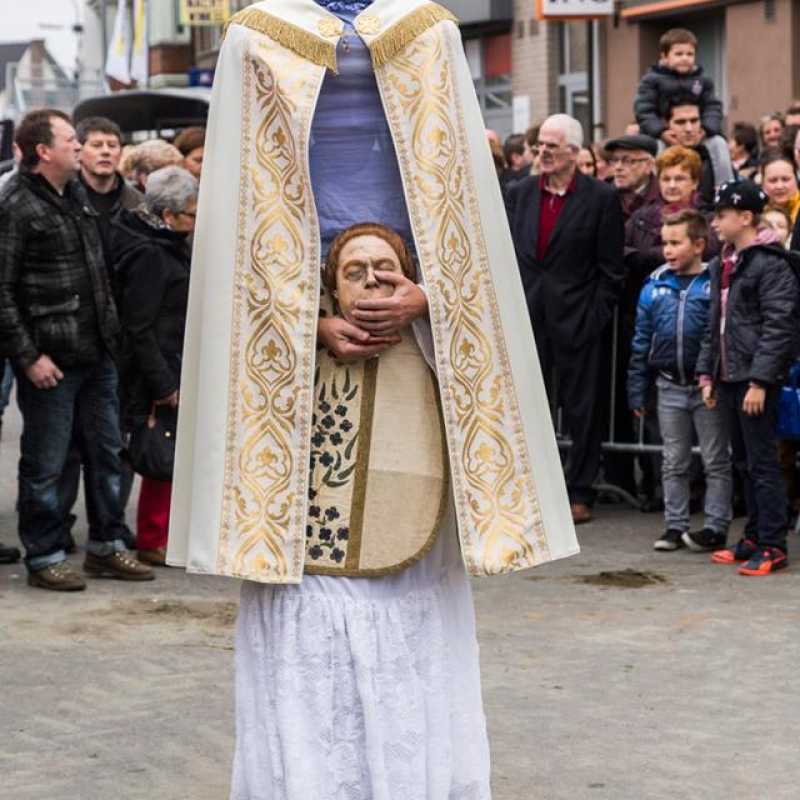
170, 189
569, 126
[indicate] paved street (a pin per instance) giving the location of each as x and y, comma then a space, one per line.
676, 679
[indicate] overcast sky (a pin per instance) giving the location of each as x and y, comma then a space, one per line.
20, 21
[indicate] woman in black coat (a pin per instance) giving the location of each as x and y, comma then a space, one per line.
151, 267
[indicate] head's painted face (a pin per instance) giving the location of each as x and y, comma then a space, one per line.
358, 261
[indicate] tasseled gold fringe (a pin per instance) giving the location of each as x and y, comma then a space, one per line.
386, 46
291, 36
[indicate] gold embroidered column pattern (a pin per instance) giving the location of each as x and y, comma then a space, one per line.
499, 519
274, 321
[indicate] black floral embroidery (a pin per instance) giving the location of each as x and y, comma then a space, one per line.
316, 552
332, 452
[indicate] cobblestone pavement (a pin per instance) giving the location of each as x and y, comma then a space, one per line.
621, 674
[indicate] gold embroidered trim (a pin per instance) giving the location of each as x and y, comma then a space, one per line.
292, 37
386, 46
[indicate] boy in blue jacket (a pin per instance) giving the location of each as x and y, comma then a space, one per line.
670, 322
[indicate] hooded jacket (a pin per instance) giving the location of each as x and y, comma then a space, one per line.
752, 332
670, 324
151, 265
660, 85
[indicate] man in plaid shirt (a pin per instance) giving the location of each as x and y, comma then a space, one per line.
59, 326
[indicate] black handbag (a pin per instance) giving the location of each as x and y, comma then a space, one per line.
151, 449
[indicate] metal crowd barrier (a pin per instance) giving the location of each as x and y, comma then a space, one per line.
611, 445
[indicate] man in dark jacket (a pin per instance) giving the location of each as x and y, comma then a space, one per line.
632, 160
101, 150
749, 343
569, 236
683, 121
58, 324
109, 194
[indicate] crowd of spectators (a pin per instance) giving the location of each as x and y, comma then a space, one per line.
95, 241
658, 267
622, 245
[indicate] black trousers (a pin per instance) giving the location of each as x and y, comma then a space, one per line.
755, 456
576, 376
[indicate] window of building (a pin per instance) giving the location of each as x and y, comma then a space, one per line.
573, 74
489, 59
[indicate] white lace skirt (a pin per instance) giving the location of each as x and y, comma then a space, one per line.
361, 688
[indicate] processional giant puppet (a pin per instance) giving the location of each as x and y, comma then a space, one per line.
343, 493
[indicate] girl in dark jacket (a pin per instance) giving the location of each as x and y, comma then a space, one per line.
152, 262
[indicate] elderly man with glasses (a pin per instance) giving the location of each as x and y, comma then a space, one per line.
569, 237
633, 160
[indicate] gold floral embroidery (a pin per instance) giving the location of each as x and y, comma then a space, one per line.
368, 24
330, 27
499, 516
274, 322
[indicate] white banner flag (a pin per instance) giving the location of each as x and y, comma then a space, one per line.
118, 60
140, 67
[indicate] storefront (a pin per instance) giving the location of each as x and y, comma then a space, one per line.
750, 49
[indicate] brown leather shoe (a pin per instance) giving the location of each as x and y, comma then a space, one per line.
58, 578
581, 513
155, 558
122, 566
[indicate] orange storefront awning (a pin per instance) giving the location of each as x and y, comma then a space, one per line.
661, 6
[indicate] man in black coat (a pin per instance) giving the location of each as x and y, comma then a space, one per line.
569, 238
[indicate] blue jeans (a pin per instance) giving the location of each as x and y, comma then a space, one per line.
680, 411
755, 455
86, 399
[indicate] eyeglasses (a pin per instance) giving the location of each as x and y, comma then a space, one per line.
626, 161
551, 147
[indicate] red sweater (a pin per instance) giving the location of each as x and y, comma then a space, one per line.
550, 206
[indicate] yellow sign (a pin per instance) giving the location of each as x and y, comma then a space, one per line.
205, 12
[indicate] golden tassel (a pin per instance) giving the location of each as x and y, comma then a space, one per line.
290, 36
389, 44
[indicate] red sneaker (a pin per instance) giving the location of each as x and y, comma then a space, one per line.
743, 550
764, 562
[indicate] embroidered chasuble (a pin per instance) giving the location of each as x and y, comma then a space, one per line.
289, 461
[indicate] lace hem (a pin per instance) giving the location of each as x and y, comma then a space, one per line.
358, 698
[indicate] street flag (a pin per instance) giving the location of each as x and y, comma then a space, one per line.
140, 58
118, 60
